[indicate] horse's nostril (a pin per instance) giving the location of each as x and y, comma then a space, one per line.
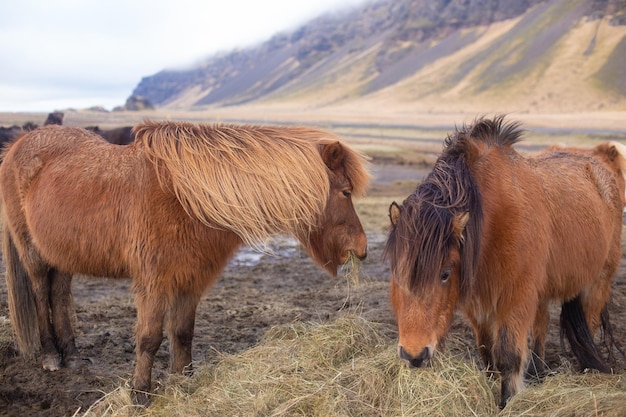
404, 355
424, 355
414, 361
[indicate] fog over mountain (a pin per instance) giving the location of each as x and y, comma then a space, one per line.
531, 55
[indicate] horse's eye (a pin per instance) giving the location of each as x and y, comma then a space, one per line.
347, 193
445, 275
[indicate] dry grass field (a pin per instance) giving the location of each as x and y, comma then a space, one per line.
277, 337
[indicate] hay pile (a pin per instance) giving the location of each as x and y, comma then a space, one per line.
572, 395
6, 334
346, 368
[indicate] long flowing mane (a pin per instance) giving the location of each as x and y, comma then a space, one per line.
256, 181
421, 239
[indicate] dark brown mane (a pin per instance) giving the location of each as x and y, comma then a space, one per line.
492, 132
424, 235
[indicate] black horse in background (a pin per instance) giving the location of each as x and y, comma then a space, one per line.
8, 134
117, 136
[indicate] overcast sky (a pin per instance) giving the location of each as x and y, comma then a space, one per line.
57, 54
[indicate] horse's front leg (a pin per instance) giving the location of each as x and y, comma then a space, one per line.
151, 308
180, 329
61, 305
484, 340
510, 354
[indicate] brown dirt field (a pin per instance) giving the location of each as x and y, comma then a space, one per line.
255, 293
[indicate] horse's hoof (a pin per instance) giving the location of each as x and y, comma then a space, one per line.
74, 362
141, 398
51, 362
535, 376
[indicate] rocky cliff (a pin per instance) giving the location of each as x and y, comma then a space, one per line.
421, 50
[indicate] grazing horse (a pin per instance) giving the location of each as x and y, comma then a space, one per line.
118, 136
498, 236
168, 210
9, 134
54, 118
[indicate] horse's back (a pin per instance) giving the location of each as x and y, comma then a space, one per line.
577, 181
612, 155
52, 138
61, 155
52, 147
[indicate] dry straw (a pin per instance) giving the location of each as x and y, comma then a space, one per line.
6, 335
350, 270
347, 368
572, 395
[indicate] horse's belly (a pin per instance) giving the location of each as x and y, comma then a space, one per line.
78, 237
77, 255
577, 265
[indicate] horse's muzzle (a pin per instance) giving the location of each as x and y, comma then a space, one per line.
415, 361
353, 254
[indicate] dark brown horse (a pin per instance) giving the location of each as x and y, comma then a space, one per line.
499, 236
117, 136
168, 210
9, 134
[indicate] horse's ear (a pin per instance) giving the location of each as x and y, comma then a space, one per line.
459, 223
333, 155
394, 213
613, 153
472, 149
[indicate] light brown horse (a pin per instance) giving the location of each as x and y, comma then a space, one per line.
499, 236
168, 210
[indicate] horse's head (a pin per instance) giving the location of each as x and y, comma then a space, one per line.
339, 232
425, 256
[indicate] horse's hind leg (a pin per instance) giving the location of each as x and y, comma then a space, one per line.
61, 306
595, 297
594, 302
28, 284
180, 328
536, 365
40, 281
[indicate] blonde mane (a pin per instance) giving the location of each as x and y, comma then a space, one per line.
256, 181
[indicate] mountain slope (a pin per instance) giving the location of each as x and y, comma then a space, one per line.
514, 55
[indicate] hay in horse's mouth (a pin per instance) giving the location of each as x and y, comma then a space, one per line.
350, 269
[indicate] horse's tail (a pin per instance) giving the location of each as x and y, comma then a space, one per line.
574, 326
22, 309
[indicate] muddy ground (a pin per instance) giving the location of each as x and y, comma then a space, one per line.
255, 293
